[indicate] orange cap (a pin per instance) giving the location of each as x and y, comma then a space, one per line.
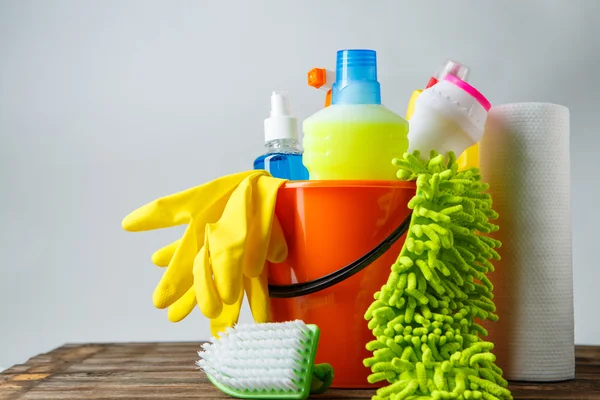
317, 77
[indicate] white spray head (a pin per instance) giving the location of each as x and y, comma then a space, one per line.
281, 124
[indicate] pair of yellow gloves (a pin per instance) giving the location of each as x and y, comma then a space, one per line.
232, 231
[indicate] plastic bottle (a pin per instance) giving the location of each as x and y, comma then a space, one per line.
355, 138
470, 157
449, 67
283, 158
449, 116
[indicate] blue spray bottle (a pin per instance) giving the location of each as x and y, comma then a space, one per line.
283, 158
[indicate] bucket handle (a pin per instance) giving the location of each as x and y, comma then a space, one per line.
324, 282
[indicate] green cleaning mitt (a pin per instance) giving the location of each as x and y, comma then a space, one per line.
428, 344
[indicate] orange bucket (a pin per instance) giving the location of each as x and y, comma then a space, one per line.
343, 237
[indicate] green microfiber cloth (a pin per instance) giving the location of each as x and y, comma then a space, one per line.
428, 345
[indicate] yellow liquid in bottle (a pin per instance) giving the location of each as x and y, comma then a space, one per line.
354, 142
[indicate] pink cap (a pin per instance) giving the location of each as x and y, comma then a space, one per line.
469, 89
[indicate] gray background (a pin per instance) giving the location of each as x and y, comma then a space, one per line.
106, 105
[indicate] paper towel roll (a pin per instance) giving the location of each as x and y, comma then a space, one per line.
524, 156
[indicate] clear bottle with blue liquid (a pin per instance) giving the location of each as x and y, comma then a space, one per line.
283, 158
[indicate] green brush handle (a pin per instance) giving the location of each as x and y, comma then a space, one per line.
322, 376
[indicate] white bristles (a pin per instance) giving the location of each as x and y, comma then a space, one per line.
264, 335
270, 326
259, 357
255, 384
247, 354
228, 362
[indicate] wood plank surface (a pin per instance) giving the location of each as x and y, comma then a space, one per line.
167, 371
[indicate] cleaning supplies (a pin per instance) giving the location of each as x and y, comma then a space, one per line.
283, 158
232, 231
449, 67
470, 157
449, 116
356, 137
322, 79
262, 361
427, 339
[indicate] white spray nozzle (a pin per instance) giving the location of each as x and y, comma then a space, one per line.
281, 124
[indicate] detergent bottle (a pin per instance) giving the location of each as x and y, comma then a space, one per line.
355, 138
449, 116
470, 157
283, 158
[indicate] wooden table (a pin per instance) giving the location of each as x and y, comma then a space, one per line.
167, 371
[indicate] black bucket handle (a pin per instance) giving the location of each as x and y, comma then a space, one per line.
324, 282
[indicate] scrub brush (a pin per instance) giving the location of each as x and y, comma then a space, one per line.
269, 360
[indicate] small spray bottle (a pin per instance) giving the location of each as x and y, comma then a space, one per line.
283, 158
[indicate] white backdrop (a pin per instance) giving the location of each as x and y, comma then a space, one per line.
105, 105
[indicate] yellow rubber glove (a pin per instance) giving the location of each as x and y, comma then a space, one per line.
245, 237
256, 288
196, 207
258, 297
228, 255
256, 291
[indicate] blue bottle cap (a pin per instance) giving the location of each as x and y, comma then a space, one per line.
356, 78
